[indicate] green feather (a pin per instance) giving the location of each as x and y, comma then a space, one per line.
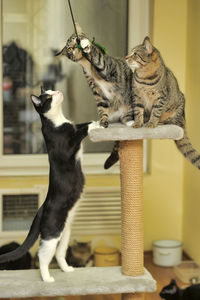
79, 47
100, 46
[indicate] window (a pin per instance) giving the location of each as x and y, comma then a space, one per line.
32, 31
18, 211
18, 208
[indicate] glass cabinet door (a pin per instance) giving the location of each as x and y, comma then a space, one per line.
33, 31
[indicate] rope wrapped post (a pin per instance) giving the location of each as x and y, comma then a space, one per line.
131, 176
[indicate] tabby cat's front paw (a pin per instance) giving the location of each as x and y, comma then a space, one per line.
150, 125
137, 125
93, 125
85, 45
130, 123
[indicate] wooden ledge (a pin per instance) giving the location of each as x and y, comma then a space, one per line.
120, 132
83, 281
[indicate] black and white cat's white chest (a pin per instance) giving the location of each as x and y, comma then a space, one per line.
66, 179
59, 141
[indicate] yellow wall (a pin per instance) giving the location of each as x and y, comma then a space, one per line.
191, 219
163, 187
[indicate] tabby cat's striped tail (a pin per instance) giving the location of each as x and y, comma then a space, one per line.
28, 243
188, 151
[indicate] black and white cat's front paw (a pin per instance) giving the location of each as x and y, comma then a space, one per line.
94, 125
85, 45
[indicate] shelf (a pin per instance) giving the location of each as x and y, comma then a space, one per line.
119, 132
82, 281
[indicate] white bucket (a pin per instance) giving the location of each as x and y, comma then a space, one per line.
167, 253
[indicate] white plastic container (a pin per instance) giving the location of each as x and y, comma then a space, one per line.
167, 253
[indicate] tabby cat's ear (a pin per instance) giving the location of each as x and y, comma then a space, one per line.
78, 28
36, 101
148, 45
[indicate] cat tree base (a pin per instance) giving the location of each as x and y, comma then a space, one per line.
83, 281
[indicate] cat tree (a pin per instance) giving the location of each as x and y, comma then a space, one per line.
131, 177
132, 280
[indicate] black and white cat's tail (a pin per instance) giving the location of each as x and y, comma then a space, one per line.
113, 157
29, 241
186, 148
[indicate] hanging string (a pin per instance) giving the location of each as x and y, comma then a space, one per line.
77, 39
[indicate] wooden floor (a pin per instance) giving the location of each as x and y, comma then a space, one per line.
160, 274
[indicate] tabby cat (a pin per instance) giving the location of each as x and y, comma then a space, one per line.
157, 97
109, 78
173, 292
79, 254
66, 180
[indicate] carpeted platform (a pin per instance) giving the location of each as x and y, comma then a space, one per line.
83, 281
120, 132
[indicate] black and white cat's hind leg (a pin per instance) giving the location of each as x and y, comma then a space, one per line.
46, 252
64, 241
58, 247
55, 246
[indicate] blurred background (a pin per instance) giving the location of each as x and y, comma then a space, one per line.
31, 32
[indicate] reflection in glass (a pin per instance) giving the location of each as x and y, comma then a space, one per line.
33, 31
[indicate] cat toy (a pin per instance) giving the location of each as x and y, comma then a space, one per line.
77, 37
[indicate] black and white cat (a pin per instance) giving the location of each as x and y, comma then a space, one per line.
66, 181
173, 292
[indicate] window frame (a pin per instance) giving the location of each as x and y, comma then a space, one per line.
37, 164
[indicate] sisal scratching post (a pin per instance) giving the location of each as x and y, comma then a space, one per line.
131, 176
131, 169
